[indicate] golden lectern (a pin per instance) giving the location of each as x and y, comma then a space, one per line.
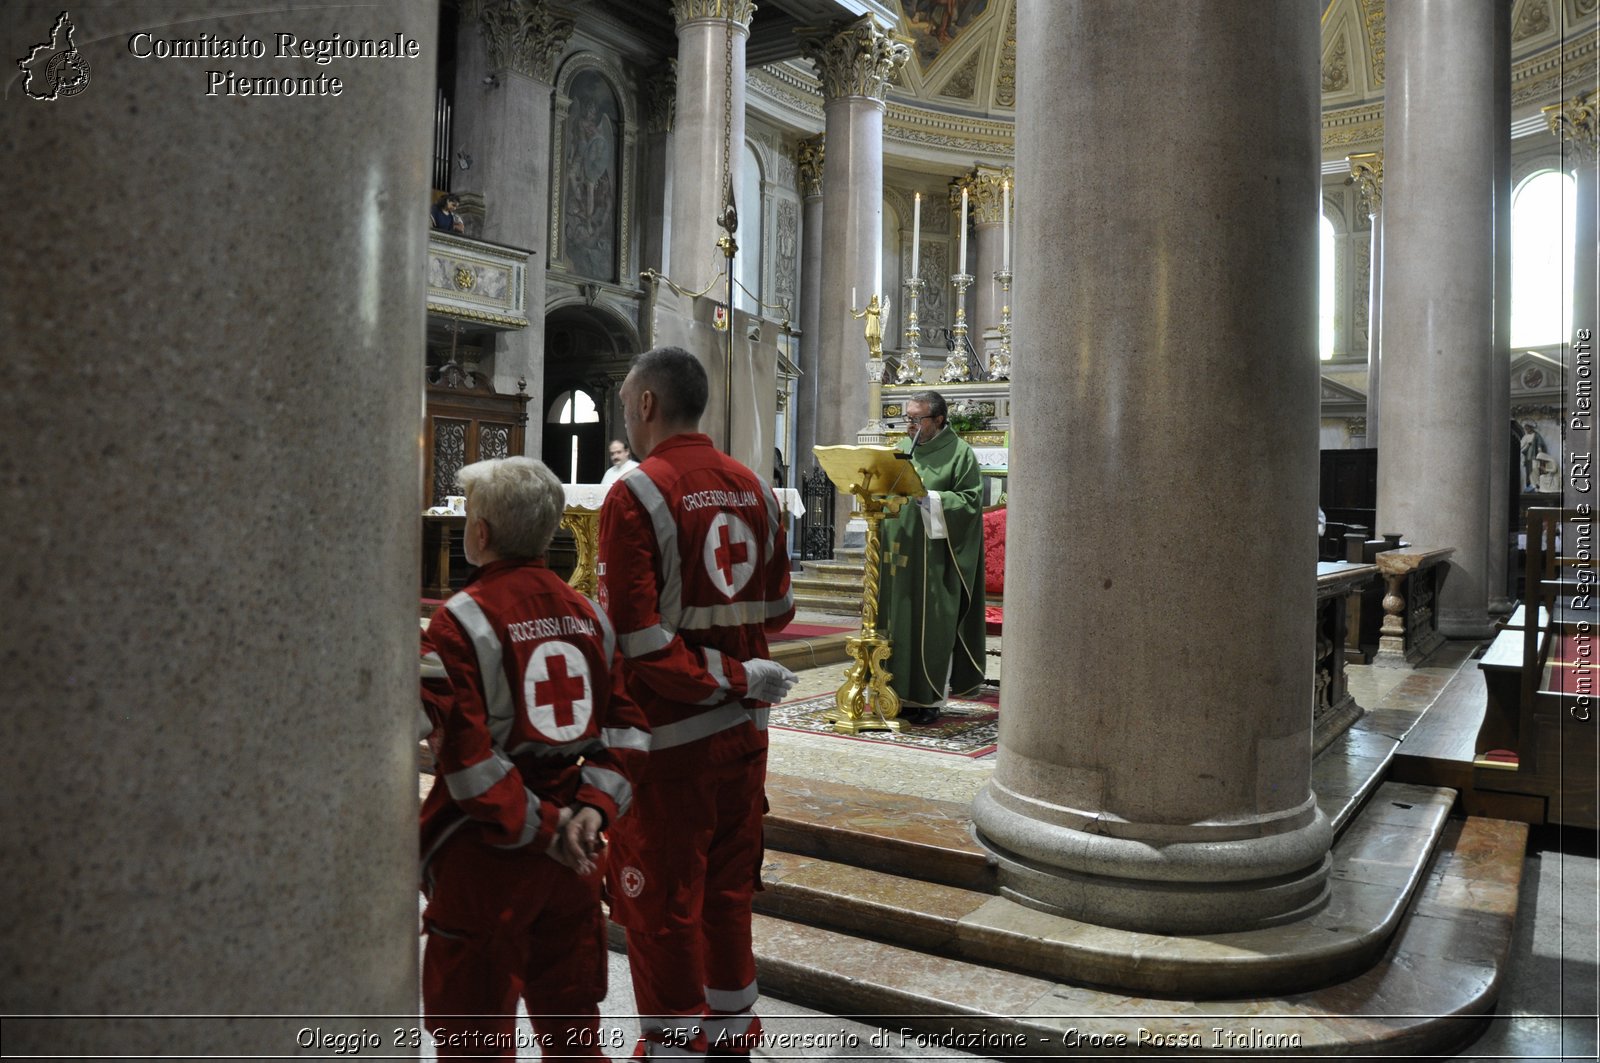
883, 480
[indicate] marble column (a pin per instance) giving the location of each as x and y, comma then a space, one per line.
655, 193
1155, 744
854, 61
708, 129
1575, 121
1438, 294
983, 305
1498, 559
215, 346
809, 154
1367, 171
506, 57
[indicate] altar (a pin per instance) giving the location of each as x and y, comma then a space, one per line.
445, 569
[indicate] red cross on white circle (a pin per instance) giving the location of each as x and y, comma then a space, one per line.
730, 553
558, 692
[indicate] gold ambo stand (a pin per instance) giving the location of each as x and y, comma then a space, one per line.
882, 483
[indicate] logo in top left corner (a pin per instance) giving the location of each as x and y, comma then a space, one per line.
56, 68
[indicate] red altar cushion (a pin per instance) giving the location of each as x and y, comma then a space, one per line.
994, 546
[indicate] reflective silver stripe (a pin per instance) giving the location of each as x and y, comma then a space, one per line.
609, 783
703, 726
570, 750
670, 601
432, 666
782, 605
608, 632
530, 822
626, 738
496, 692
475, 781
716, 668
727, 614
731, 1000
646, 640
758, 717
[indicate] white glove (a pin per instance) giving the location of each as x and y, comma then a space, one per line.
767, 680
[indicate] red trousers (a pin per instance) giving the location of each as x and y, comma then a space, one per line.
685, 865
502, 925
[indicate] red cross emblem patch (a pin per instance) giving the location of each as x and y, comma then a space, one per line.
730, 553
558, 692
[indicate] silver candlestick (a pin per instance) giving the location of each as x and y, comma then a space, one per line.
1000, 364
910, 371
956, 366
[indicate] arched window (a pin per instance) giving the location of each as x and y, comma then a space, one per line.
571, 432
747, 295
1325, 289
1542, 220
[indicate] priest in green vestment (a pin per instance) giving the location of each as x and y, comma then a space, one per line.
931, 596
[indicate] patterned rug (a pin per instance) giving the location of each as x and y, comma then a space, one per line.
964, 728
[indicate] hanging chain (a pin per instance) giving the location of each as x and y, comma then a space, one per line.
730, 215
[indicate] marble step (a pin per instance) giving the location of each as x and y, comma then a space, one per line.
1377, 863
812, 652
1429, 991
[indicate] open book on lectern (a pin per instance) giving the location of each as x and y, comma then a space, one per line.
870, 470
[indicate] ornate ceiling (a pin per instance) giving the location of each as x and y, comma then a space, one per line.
958, 92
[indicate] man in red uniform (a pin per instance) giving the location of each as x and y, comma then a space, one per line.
535, 742
694, 571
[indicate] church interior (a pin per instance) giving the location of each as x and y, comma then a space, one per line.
1184, 273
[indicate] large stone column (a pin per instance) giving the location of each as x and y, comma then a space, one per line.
854, 61
655, 194
214, 328
1155, 743
1367, 171
1438, 294
709, 129
1576, 122
983, 305
809, 161
1498, 558
506, 57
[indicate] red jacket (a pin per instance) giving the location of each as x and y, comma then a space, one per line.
694, 571
532, 687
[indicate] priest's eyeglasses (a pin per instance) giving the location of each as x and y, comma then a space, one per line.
924, 417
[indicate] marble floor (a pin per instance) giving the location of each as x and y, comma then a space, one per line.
1548, 1002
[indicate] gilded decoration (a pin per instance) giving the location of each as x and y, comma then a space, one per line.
983, 192
808, 163
741, 11
856, 59
661, 97
1005, 81
1366, 170
1372, 19
526, 36
934, 25
1574, 120
465, 278
1336, 66
1532, 20
963, 84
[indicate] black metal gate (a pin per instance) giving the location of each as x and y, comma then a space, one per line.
816, 527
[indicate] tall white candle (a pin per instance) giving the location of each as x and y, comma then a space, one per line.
961, 263
877, 265
852, 298
916, 234
1005, 224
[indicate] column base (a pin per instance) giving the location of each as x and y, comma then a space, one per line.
1185, 887
1466, 623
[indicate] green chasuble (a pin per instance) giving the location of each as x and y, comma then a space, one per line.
931, 598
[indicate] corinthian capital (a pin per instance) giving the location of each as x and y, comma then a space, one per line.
856, 58
661, 97
808, 160
1574, 120
1366, 170
983, 184
525, 36
741, 11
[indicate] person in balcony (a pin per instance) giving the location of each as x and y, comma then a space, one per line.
932, 588
445, 218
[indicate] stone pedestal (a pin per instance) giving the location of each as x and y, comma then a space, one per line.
213, 413
1438, 300
1156, 725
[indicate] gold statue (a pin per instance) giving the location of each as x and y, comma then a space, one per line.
873, 312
